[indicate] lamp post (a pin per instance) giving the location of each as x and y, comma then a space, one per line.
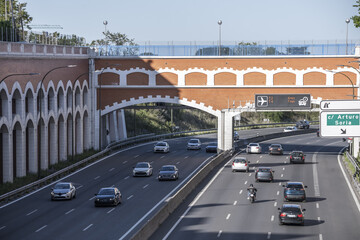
352, 84
72, 114
99, 102
40, 110
19, 74
347, 28
105, 23
219, 22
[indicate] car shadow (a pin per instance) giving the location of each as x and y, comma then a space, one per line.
313, 222
314, 199
265, 200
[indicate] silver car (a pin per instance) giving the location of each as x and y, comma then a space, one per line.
142, 169
63, 190
161, 147
240, 164
253, 148
194, 144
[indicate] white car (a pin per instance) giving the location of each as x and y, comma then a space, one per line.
253, 148
142, 169
161, 147
290, 129
194, 144
240, 164
63, 190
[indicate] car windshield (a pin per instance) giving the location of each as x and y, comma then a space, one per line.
297, 154
142, 165
298, 186
275, 145
161, 144
106, 192
62, 186
253, 145
194, 141
167, 168
291, 209
239, 160
264, 170
213, 144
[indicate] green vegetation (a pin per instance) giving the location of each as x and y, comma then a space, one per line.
351, 168
276, 117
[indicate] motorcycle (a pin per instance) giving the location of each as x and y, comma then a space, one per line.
252, 197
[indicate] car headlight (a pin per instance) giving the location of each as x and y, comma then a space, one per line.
159, 176
52, 193
173, 176
97, 199
111, 199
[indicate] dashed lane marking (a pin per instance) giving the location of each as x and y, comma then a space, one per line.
97, 177
277, 193
219, 234
111, 210
70, 211
228, 216
272, 218
178, 163
275, 204
283, 168
87, 227
1, 228
130, 197
320, 237
268, 235
124, 162
31, 212
136, 156
261, 156
235, 203
146, 186
126, 177
245, 182
79, 187
186, 157
162, 157
279, 183
257, 161
41, 228
92, 198
111, 169
249, 174
282, 175
319, 219
240, 191
317, 205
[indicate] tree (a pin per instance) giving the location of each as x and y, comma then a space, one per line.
356, 19
117, 39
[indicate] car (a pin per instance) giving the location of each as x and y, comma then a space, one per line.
294, 191
276, 149
291, 213
290, 129
142, 169
236, 136
211, 147
108, 196
168, 172
240, 164
194, 144
253, 148
297, 157
264, 174
63, 190
303, 124
162, 147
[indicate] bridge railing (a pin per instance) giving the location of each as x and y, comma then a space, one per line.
356, 175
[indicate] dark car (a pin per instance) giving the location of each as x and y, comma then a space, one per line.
294, 191
264, 174
297, 157
168, 172
212, 147
108, 196
291, 213
303, 124
276, 149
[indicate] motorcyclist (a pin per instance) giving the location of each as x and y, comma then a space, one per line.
251, 189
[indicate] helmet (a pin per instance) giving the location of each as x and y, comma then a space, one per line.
251, 185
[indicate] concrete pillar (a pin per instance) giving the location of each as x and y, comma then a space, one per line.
356, 146
20, 153
33, 146
7, 157
121, 124
79, 143
114, 126
107, 130
225, 131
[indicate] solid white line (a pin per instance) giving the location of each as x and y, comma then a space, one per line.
130, 197
272, 218
320, 237
146, 186
31, 212
240, 191
315, 174
348, 183
69, 211
87, 227
41, 228
228, 216
111, 210
126, 177
97, 177
317, 205
275, 204
111, 169
219, 234
235, 203
269, 235
1, 228
194, 201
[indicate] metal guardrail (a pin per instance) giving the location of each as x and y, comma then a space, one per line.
356, 165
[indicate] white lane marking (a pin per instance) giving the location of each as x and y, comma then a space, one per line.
284, 161
275, 204
41, 228
31, 212
283, 168
178, 163
130, 197
111, 169
279, 183
240, 191
257, 161
70, 211
235, 203
92, 198
97, 177
219, 234
152, 162
1, 228
316, 178
126, 177
193, 202
136, 156
277, 193
174, 151
146, 186
272, 218
317, 205
111, 210
228, 216
348, 183
269, 235
253, 167
124, 162
249, 174
186, 157
260, 156
162, 157
79, 187
318, 219
320, 237
87, 227
282, 175
245, 182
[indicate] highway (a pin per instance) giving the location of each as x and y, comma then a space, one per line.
220, 209
35, 216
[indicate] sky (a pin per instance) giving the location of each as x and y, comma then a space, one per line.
163, 21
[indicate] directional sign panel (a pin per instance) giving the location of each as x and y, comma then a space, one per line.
329, 105
340, 124
282, 101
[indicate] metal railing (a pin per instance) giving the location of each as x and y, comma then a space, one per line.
356, 175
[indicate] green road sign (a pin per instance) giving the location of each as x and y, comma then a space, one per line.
346, 119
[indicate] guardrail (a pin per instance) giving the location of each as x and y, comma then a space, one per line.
356, 165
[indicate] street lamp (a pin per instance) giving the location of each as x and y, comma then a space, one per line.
40, 110
219, 22
19, 74
347, 29
72, 114
105, 23
99, 101
352, 84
